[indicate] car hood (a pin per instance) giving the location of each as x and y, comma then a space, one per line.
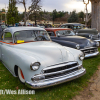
76, 39
82, 41
49, 53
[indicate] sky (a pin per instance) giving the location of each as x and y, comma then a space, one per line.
50, 5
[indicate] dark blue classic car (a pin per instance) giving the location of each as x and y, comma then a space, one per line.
80, 30
66, 37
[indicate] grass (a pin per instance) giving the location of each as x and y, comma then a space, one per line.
65, 91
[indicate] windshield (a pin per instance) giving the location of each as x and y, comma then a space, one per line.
30, 36
65, 32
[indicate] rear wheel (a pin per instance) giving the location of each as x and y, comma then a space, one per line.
21, 75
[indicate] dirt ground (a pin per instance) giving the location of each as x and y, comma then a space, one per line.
92, 92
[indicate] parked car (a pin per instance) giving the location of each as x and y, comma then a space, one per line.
73, 26
89, 33
3, 26
66, 37
29, 53
81, 30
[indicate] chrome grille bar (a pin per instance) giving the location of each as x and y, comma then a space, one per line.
62, 71
59, 67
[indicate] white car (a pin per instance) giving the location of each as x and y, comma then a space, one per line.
28, 52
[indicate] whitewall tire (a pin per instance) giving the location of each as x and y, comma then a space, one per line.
21, 75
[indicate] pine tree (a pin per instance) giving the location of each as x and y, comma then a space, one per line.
12, 14
73, 17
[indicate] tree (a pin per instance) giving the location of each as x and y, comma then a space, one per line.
35, 7
12, 14
21, 16
58, 14
81, 15
2, 15
73, 17
47, 16
95, 23
54, 14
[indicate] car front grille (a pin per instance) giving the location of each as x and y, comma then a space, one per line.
90, 50
60, 70
61, 73
57, 71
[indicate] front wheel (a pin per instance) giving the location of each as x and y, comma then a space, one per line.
21, 75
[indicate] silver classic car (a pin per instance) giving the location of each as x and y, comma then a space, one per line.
28, 52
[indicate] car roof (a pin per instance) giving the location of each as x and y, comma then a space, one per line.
12, 30
75, 24
56, 29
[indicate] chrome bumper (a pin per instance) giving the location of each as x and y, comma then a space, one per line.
97, 40
59, 80
91, 55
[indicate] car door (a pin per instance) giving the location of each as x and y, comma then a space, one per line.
6, 47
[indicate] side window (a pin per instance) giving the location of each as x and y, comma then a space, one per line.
51, 33
8, 37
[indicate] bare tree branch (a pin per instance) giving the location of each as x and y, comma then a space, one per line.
33, 8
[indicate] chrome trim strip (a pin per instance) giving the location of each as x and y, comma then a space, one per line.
43, 84
91, 55
60, 65
97, 40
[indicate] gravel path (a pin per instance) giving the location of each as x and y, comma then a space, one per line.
92, 92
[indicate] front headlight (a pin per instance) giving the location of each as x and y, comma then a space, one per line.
77, 46
35, 66
97, 44
81, 56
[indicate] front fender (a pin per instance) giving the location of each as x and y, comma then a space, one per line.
65, 43
75, 53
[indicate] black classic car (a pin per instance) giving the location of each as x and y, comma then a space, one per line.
89, 33
73, 26
80, 30
67, 37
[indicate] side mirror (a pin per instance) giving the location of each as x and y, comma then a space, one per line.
58, 35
